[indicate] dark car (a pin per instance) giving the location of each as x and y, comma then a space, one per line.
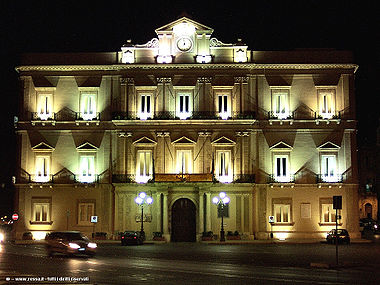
343, 236
368, 224
131, 237
69, 243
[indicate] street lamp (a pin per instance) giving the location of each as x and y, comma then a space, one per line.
141, 200
221, 202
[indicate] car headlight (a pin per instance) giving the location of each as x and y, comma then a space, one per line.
1, 237
375, 226
74, 245
92, 245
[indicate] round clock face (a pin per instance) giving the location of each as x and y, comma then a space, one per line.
184, 44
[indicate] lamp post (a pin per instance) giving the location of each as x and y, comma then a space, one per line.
221, 202
141, 200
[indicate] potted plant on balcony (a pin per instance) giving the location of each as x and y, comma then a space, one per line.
233, 235
207, 236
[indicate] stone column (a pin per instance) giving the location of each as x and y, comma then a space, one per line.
166, 217
242, 213
201, 213
208, 211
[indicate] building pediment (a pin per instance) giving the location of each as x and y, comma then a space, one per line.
144, 141
42, 147
223, 141
281, 146
87, 147
200, 28
328, 146
184, 141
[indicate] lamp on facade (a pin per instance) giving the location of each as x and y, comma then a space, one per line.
141, 200
221, 202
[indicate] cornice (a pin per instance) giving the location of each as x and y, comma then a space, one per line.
120, 67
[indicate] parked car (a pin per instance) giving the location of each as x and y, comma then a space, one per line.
131, 237
69, 243
343, 236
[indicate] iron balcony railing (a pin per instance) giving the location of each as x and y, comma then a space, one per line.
37, 116
280, 116
281, 179
58, 179
194, 115
87, 117
322, 178
328, 115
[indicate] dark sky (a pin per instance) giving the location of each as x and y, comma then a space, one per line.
61, 26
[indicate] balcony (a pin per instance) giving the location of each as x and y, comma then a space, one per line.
335, 115
80, 116
281, 179
280, 116
163, 177
194, 115
37, 116
322, 178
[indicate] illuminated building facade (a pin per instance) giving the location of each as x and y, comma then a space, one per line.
182, 118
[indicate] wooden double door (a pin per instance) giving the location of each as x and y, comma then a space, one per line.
183, 221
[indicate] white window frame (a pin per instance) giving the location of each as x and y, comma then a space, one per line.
182, 112
87, 170
87, 214
144, 166
42, 168
182, 156
281, 176
45, 105
224, 166
280, 211
145, 110
88, 105
329, 167
223, 105
328, 214
326, 102
38, 210
280, 102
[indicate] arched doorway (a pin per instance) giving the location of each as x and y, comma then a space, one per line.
183, 221
368, 210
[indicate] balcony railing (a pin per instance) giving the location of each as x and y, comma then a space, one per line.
194, 115
281, 179
37, 116
321, 178
93, 178
328, 115
280, 116
87, 117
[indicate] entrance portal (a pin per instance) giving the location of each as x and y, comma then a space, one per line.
183, 221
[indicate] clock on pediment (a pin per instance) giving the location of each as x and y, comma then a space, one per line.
184, 44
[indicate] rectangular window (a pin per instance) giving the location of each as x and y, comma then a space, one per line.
85, 211
281, 168
45, 106
144, 169
87, 169
223, 106
280, 106
88, 106
282, 213
326, 103
184, 161
328, 168
145, 106
328, 213
183, 106
42, 169
224, 172
41, 212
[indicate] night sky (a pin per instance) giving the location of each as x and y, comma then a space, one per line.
79, 26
